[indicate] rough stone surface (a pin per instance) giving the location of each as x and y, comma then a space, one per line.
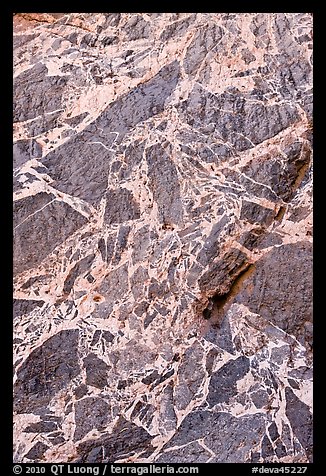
162, 237
223, 382
289, 307
48, 369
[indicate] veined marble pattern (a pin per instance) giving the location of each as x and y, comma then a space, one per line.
163, 237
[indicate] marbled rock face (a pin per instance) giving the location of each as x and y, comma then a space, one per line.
163, 237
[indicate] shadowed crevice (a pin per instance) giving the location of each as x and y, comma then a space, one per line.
218, 303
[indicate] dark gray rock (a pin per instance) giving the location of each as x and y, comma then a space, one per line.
222, 273
144, 411
133, 155
141, 308
38, 233
300, 419
177, 28
152, 377
69, 175
96, 371
56, 438
125, 440
204, 40
136, 106
280, 449
223, 383
289, 307
21, 40
141, 103
246, 125
22, 307
108, 336
107, 247
47, 370
80, 391
230, 438
260, 398
257, 238
266, 448
293, 384
157, 289
255, 213
76, 120
112, 19
24, 150
121, 243
79, 269
164, 183
88, 40
44, 123
115, 284
27, 206
167, 411
273, 431
149, 318
120, 206
299, 213
193, 452
282, 176
191, 374
37, 451
303, 372
137, 281
36, 93
141, 244
247, 55
90, 412
41, 427
211, 247
137, 28
221, 335
307, 104
110, 40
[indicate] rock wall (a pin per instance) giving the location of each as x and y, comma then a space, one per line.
163, 237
